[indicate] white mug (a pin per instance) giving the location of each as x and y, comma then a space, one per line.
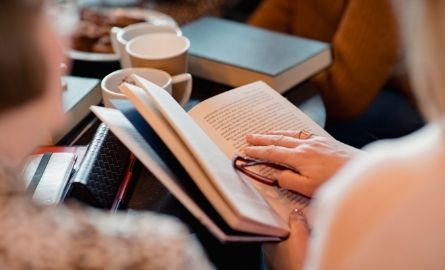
179, 86
165, 51
121, 36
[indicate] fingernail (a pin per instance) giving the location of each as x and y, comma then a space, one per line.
275, 174
297, 214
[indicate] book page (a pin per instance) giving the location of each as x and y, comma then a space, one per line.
253, 108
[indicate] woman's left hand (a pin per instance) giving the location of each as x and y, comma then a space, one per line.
291, 253
315, 158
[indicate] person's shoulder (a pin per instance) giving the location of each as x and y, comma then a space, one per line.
391, 166
373, 198
401, 156
424, 140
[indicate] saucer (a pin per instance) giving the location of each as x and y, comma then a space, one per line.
150, 16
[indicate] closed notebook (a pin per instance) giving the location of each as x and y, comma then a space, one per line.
235, 54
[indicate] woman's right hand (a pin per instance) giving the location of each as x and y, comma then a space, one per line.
315, 158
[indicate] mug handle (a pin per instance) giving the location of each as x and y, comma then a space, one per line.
182, 88
113, 36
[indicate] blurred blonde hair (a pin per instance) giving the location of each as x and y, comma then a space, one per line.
22, 66
424, 36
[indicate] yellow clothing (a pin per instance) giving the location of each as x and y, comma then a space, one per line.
365, 46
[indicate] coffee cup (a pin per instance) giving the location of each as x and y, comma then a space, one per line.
164, 51
121, 36
179, 86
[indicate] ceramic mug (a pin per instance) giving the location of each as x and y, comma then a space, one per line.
164, 51
179, 86
121, 36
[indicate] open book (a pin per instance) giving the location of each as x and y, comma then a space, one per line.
191, 153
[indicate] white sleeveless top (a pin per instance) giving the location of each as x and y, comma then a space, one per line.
385, 210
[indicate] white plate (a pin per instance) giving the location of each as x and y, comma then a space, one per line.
151, 16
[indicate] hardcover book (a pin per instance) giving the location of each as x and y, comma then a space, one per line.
191, 153
79, 95
233, 53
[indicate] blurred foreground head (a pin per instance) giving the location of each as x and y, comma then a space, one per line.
22, 67
30, 92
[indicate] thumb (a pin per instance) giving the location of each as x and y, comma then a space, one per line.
298, 222
290, 180
299, 236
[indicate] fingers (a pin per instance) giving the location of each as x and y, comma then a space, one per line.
285, 138
298, 134
273, 153
293, 181
290, 133
279, 140
299, 237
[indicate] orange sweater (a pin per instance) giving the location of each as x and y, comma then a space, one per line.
364, 39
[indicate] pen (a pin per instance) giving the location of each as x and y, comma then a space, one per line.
123, 188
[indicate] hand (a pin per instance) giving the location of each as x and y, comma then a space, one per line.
290, 253
315, 158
